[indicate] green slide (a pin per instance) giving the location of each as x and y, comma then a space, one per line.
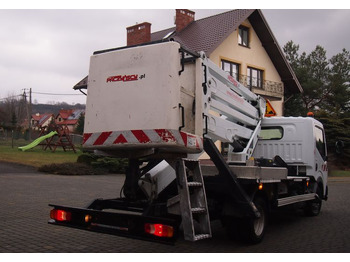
37, 141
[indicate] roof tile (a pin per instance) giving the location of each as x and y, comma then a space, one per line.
207, 33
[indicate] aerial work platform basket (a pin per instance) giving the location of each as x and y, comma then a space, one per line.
160, 97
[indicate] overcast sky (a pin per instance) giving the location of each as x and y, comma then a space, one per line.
49, 50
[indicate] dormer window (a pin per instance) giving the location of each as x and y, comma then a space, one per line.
243, 36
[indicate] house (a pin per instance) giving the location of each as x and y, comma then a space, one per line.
69, 118
39, 121
239, 41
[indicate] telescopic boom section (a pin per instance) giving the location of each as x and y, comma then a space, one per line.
232, 112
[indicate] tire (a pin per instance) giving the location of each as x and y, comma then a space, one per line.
313, 208
250, 230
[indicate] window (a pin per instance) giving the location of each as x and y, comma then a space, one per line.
243, 36
271, 133
231, 68
320, 142
255, 77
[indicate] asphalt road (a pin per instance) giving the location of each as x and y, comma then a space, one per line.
24, 212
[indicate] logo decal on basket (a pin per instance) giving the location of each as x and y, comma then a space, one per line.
125, 78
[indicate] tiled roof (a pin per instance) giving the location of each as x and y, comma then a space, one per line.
76, 114
41, 118
44, 119
70, 116
207, 33
37, 117
156, 36
65, 113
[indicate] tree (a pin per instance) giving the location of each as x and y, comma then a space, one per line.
325, 82
13, 120
80, 126
313, 74
326, 85
338, 101
14, 106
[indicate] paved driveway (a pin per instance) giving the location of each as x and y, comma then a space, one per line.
24, 212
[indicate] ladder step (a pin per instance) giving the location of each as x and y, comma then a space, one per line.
201, 236
193, 201
197, 210
194, 184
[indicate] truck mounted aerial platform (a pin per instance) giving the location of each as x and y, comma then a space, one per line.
162, 107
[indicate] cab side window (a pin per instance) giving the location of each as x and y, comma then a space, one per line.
320, 142
271, 133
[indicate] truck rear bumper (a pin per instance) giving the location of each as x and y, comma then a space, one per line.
116, 222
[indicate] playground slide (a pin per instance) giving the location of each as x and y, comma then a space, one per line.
37, 141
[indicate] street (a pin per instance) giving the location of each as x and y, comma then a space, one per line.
24, 212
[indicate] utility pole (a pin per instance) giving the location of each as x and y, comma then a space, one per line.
30, 114
29, 111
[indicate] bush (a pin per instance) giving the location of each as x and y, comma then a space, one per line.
87, 164
109, 164
72, 169
112, 165
87, 158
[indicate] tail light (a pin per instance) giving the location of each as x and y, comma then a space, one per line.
159, 230
60, 215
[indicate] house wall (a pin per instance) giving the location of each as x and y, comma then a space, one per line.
252, 56
47, 122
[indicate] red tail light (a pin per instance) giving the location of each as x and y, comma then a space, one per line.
159, 230
60, 215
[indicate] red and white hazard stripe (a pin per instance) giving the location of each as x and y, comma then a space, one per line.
153, 137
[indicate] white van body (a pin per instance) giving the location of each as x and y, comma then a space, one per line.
299, 141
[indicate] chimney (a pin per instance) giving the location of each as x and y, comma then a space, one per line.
138, 34
183, 18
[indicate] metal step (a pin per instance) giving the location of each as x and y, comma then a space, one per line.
198, 210
201, 236
295, 199
195, 184
193, 204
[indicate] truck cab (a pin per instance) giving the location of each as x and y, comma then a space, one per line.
300, 142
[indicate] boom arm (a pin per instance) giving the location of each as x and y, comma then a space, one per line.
232, 113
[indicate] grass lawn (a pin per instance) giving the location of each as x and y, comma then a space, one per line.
339, 173
37, 156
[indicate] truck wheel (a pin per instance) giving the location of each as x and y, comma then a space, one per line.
252, 230
313, 208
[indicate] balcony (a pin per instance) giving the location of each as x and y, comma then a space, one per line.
267, 87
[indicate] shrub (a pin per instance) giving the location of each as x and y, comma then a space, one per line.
73, 169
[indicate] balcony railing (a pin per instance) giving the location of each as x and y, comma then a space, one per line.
267, 85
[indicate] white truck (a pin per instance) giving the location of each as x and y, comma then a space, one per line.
162, 107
